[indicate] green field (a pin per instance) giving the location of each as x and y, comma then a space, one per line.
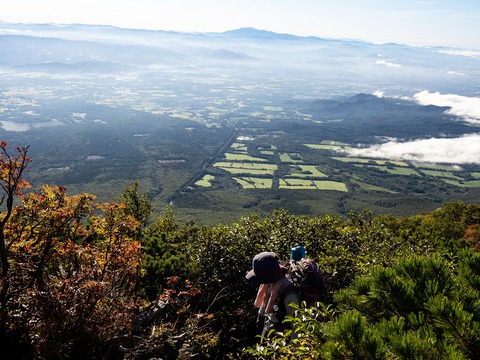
303, 184
237, 171
330, 185
205, 181
239, 147
297, 184
465, 184
333, 142
436, 166
254, 183
329, 146
290, 158
370, 187
243, 157
441, 174
242, 165
392, 170
300, 171
366, 161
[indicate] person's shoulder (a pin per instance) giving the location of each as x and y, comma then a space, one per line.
287, 286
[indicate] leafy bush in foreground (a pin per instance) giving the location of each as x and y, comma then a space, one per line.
71, 287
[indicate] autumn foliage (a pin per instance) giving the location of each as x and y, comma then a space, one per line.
70, 270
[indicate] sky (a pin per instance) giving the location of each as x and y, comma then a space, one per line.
453, 23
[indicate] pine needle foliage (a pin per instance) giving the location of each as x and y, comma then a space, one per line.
421, 307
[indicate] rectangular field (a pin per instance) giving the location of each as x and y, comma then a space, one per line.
465, 184
393, 170
290, 158
254, 183
331, 147
241, 165
301, 171
243, 157
237, 171
437, 166
441, 174
303, 184
366, 161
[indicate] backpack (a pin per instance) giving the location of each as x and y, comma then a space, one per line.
308, 279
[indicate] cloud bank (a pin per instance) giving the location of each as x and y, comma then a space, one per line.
467, 108
461, 150
387, 63
462, 52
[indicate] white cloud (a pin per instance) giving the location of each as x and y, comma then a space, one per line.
387, 63
469, 53
455, 73
462, 150
13, 126
466, 107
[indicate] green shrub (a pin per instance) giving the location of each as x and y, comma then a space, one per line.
164, 254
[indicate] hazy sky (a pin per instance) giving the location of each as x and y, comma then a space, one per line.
424, 22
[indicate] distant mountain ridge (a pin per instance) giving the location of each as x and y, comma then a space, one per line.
239, 53
250, 32
34, 29
244, 32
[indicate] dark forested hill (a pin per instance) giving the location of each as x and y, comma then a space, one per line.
363, 117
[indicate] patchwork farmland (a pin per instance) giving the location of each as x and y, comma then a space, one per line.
264, 166
263, 171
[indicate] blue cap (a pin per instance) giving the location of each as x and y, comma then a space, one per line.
297, 253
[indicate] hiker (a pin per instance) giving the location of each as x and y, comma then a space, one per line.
306, 276
275, 293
